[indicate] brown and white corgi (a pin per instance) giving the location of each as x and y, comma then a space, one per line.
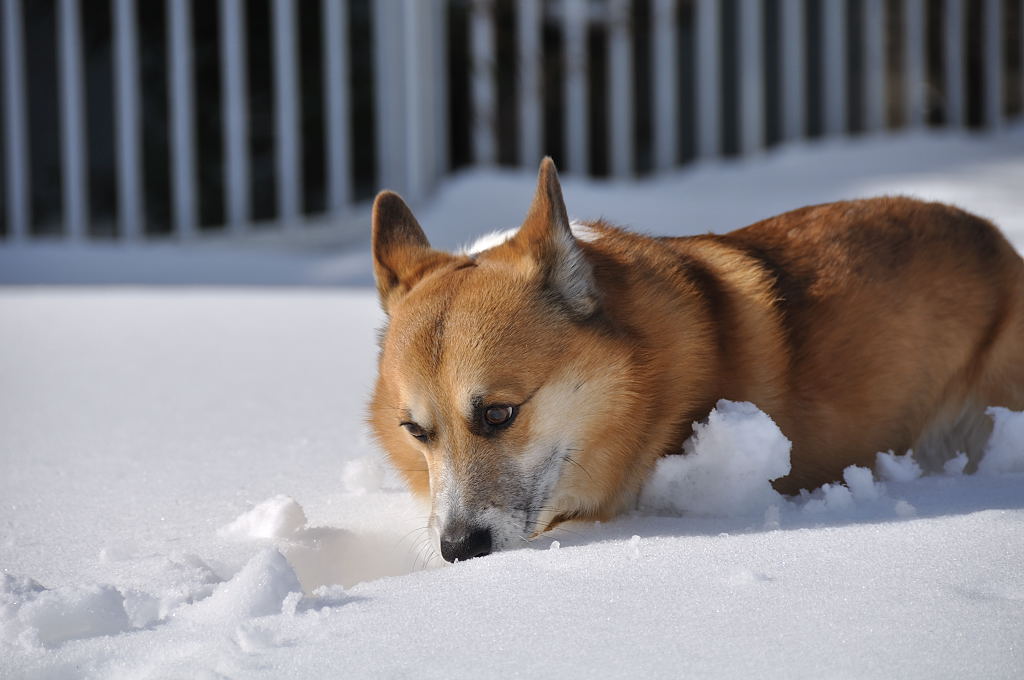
538, 380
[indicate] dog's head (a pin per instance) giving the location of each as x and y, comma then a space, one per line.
500, 384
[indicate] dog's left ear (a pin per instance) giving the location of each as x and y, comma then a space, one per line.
546, 236
401, 252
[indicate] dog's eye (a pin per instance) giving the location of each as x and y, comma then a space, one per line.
499, 416
416, 431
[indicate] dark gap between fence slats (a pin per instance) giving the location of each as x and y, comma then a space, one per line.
98, 92
42, 88
363, 131
854, 25
643, 89
156, 178
207, 114
554, 81
772, 73
935, 26
729, 83
814, 68
1013, 55
598, 125
686, 58
460, 105
974, 69
262, 128
312, 131
506, 118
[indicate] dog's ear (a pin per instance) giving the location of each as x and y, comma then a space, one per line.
547, 238
401, 253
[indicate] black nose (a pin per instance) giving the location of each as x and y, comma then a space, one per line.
465, 545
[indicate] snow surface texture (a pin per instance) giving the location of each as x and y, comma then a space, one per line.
187, 490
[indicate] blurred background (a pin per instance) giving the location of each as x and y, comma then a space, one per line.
139, 136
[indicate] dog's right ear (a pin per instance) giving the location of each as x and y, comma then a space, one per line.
401, 253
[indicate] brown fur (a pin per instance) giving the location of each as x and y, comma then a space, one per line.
858, 326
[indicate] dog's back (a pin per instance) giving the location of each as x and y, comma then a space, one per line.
860, 326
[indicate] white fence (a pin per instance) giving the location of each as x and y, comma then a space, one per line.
740, 73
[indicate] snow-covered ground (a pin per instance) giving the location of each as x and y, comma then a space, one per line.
187, 489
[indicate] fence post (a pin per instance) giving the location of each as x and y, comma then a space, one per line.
74, 155
287, 103
529, 28
834, 31
574, 32
235, 118
794, 74
752, 76
410, 95
914, 92
620, 81
993, 42
388, 34
666, 77
182, 137
129, 139
438, 50
336, 97
709, 93
874, 66
833, 17
484, 95
15, 132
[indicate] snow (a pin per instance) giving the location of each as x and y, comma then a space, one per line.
728, 468
897, 467
187, 488
1005, 450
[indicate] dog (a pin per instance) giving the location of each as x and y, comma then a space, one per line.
539, 378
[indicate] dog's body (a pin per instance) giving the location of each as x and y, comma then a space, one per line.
540, 379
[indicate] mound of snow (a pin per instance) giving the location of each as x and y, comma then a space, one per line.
897, 468
862, 484
728, 466
31, 615
277, 517
1005, 449
258, 589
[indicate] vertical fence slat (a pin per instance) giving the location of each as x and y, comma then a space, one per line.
15, 123
993, 42
439, 50
484, 93
666, 91
389, 130
528, 33
874, 66
235, 119
336, 103
751, 76
953, 62
182, 151
286, 103
620, 81
128, 130
574, 34
416, 97
709, 96
74, 156
833, 18
914, 91
794, 60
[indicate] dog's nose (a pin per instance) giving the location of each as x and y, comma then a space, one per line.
465, 545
